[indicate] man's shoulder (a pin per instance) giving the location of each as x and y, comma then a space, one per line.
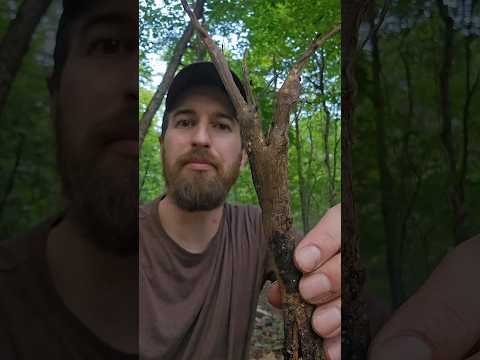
244, 216
146, 209
13, 252
16, 250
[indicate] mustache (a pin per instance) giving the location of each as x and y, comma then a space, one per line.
200, 154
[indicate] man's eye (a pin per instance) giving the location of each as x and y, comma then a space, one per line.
223, 127
183, 123
106, 47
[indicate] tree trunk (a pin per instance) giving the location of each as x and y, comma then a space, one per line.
390, 202
355, 327
455, 182
470, 90
157, 99
16, 42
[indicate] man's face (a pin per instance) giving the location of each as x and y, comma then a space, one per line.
201, 150
95, 111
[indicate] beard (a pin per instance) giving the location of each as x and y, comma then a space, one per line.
199, 190
101, 190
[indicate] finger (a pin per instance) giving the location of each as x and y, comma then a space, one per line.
321, 243
442, 320
324, 284
327, 319
275, 295
333, 348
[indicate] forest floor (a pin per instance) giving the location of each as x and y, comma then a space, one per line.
268, 332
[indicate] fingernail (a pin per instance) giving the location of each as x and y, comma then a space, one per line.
403, 347
308, 258
327, 321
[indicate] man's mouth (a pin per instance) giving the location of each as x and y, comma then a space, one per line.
199, 165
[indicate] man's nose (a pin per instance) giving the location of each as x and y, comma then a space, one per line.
201, 136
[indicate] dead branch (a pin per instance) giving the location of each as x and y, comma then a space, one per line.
289, 93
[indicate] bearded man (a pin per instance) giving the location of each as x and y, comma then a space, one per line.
203, 262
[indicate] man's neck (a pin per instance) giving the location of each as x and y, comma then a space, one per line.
192, 231
100, 288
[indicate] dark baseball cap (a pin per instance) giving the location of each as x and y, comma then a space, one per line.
194, 75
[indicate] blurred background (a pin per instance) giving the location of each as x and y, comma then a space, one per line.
416, 133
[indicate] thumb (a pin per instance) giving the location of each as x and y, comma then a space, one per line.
442, 320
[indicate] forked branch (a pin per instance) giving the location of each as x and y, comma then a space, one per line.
289, 93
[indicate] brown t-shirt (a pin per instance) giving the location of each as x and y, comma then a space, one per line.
34, 322
200, 306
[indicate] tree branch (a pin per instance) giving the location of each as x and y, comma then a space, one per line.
247, 113
167, 79
289, 93
218, 59
16, 41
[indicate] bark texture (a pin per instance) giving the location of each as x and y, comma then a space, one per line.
16, 42
269, 164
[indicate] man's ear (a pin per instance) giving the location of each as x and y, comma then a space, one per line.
244, 160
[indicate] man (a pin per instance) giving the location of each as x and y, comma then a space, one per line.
203, 262
69, 288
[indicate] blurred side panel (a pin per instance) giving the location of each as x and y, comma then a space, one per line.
414, 157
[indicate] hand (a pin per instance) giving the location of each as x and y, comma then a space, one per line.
318, 257
442, 319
